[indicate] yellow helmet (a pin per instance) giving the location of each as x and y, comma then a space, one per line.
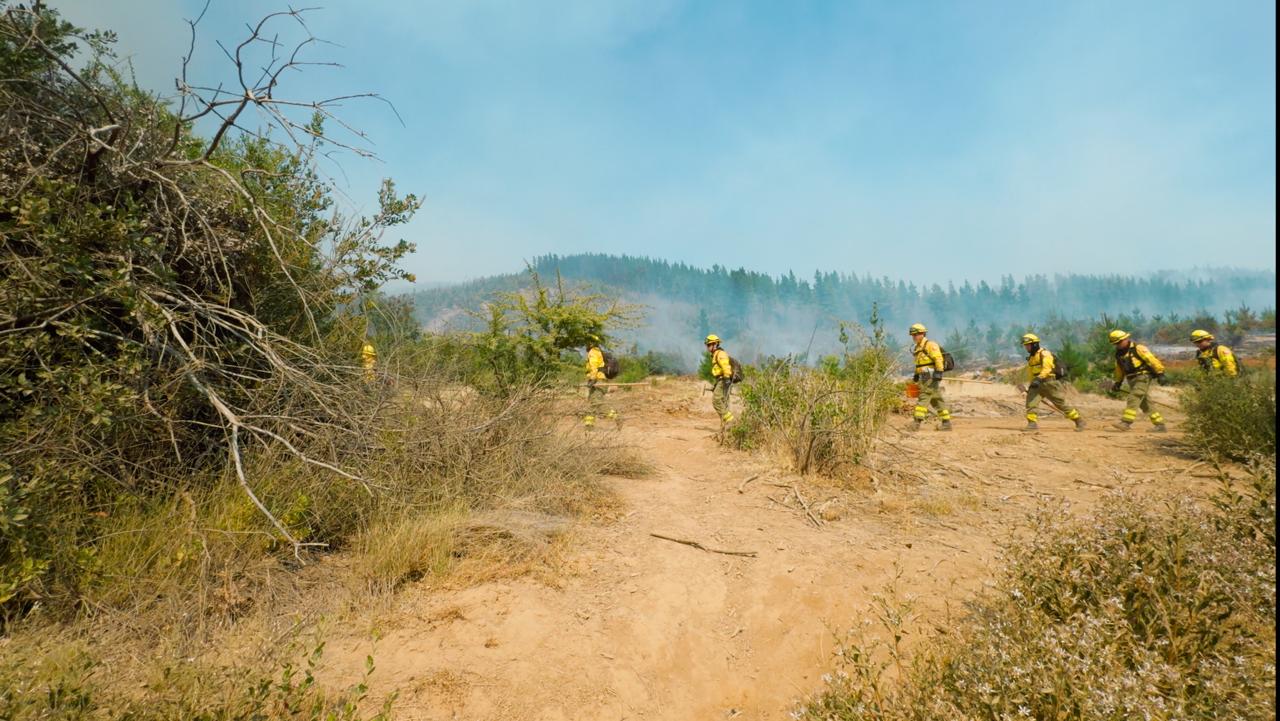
917, 328
1199, 335
1030, 338
1116, 336
713, 338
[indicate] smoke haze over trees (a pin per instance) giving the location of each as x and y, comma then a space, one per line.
763, 314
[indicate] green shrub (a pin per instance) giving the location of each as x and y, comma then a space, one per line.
541, 334
1135, 611
823, 419
1232, 417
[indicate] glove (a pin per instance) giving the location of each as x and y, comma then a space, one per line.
1117, 386
1162, 380
1035, 383
915, 378
937, 378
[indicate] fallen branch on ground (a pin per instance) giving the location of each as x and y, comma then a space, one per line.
699, 546
805, 505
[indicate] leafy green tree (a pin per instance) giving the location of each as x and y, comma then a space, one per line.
530, 332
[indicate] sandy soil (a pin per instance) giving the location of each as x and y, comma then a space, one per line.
637, 627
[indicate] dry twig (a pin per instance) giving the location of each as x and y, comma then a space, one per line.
700, 547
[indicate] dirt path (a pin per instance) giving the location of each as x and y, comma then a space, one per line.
644, 628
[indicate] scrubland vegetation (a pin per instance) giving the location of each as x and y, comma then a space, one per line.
1140, 609
821, 419
1133, 611
183, 422
1232, 418
185, 433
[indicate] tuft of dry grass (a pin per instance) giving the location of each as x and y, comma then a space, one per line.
61, 679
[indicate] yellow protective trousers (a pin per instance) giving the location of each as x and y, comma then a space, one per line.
720, 399
1053, 391
1139, 390
931, 399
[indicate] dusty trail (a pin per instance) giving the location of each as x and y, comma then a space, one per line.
643, 628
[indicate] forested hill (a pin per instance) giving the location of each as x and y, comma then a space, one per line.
762, 313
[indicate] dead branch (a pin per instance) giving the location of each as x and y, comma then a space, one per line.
700, 547
189, 313
807, 511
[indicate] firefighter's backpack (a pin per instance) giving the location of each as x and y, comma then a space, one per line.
611, 367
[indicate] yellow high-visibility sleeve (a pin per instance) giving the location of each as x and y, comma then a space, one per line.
935, 354
720, 365
928, 355
1041, 365
1150, 359
1228, 360
595, 365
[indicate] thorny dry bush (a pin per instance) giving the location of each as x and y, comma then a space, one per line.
1136, 612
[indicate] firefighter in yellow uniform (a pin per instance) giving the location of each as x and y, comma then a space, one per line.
595, 376
368, 361
929, 366
1137, 366
1044, 383
722, 373
1214, 357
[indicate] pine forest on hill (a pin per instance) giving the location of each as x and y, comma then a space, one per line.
763, 314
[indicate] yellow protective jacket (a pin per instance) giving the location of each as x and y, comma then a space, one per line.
368, 355
720, 365
1135, 360
1218, 358
928, 355
595, 365
1040, 365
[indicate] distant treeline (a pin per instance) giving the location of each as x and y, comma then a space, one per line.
766, 314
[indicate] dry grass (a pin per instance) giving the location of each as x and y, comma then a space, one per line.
1136, 611
463, 488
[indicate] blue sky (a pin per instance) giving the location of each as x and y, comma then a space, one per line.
927, 140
